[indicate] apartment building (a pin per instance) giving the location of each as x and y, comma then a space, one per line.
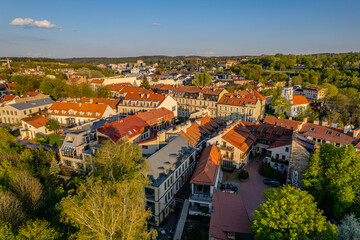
70, 113
12, 113
204, 181
194, 99
314, 93
112, 102
245, 105
140, 102
158, 119
169, 169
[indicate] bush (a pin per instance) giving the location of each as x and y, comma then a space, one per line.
267, 171
53, 139
243, 174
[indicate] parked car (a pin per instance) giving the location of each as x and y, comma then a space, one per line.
270, 182
229, 187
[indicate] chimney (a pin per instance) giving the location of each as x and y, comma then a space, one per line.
325, 123
80, 104
334, 125
91, 100
347, 128
316, 121
356, 132
306, 119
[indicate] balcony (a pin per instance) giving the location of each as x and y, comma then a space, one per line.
227, 148
280, 161
200, 197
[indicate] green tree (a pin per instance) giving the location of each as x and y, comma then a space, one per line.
332, 177
280, 105
54, 167
46, 87
52, 125
37, 230
331, 90
202, 79
5, 231
145, 83
290, 214
10, 209
349, 228
108, 210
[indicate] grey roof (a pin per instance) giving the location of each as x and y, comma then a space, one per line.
32, 104
166, 159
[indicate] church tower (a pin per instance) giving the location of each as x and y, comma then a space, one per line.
288, 90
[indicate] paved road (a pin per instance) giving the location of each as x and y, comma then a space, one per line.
181, 223
251, 190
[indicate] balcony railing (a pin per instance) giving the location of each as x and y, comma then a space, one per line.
200, 197
280, 161
227, 148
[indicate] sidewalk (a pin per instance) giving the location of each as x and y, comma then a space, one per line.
181, 223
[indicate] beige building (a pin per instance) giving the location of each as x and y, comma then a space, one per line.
244, 105
192, 99
12, 113
33, 125
314, 93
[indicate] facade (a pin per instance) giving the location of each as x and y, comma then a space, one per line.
157, 119
70, 113
33, 125
204, 181
286, 123
112, 102
169, 169
244, 105
12, 113
314, 93
278, 155
141, 102
194, 99
298, 104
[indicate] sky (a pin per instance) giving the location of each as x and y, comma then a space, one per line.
116, 28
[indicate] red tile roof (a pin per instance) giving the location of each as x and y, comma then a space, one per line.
240, 137
326, 133
11, 86
144, 97
6, 98
118, 86
31, 94
37, 121
126, 89
299, 100
207, 167
86, 110
228, 215
153, 115
278, 144
97, 81
128, 127
286, 123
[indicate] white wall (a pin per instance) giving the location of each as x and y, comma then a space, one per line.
170, 104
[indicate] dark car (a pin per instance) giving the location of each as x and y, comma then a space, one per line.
270, 182
229, 187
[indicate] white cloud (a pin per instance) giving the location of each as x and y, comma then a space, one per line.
28, 22
156, 24
207, 53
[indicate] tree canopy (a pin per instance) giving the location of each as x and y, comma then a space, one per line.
290, 214
202, 79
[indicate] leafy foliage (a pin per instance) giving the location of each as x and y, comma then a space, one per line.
202, 79
290, 213
52, 125
349, 228
145, 83
39, 230
333, 179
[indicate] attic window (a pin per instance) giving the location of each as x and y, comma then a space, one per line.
329, 132
338, 134
312, 129
130, 132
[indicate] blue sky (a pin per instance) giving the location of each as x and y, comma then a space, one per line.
116, 28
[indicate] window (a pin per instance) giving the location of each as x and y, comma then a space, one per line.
24, 112
12, 113
286, 149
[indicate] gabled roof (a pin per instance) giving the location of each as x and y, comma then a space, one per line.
240, 137
37, 121
6, 98
326, 133
97, 81
154, 114
144, 97
32, 104
228, 215
128, 127
286, 123
299, 100
112, 102
87, 110
279, 144
207, 167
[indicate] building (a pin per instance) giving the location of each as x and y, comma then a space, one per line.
229, 218
204, 181
314, 93
112, 102
278, 155
70, 113
245, 105
157, 119
12, 113
141, 102
193, 99
286, 123
169, 169
298, 104
99, 82
34, 125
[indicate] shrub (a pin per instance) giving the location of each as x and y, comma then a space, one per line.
267, 171
243, 174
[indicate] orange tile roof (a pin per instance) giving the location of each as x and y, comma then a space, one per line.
240, 137
258, 95
11, 86
128, 127
298, 100
31, 94
144, 97
234, 99
127, 89
207, 167
118, 86
286, 123
112, 102
97, 81
38, 121
153, 115
88, 110
7, 97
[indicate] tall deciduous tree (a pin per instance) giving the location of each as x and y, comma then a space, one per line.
202, 79
349, 229
290, 214
280, 105
53, 125
108, 210
5, 231
333, 179
10, 209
